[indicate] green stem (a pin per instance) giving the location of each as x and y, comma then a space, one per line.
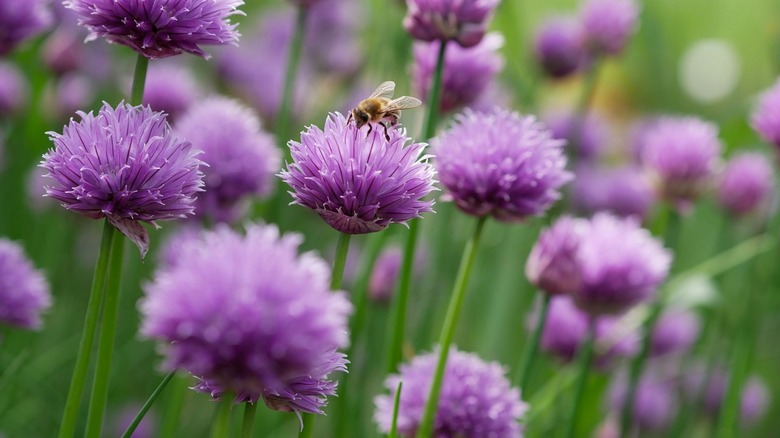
530, 350
432, 113
396, 404
173, 408
585, 357
221, 426
306, 426
139, 80
342, 249
137, 420
97, 403
293, 57
250, 410
448, 329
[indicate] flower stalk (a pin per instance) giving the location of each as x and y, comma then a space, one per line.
145, 408
529, 353
585, 357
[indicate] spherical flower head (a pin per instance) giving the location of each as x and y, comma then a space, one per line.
20, 20
464, 21
13, 89
247, 313
24, 291
241, 157
587, 137
467, 71
683, 154
476, 399
766, 117
553, 265
675, 332
746, 184
558, 47
500, 163
359, 182
754, 401
160, 28
607, 24
622, 265
171, 88
655, 401
126, 165
624, 191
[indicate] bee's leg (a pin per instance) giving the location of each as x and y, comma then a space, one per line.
370, 127
387, 136
349, 119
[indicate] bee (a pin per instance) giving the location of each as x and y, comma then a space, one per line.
380, 107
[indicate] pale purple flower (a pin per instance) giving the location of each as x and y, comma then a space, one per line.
13, 89
384, 277
160, 28
754, 401
766, 116
476, 399
674, 332
248, 314
170, 88
558, 46
553, 265
71, 92
24, 291
21, 19
607, 24
467, 71
747, 184
241, 157
586, 137
500, 164
126, 165
655, 401
176, 243
624, 191
359, 182
464, 21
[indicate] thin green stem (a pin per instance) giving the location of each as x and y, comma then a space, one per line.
139, 80
173, 408
248, 423
396, 404
71, 413
293, 58
307, 426
524, 372
221, 426
432, 113
145, 408
585, 357
97, 403
448, 329
342, 249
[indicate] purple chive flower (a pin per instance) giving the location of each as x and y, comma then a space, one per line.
383, 279
683, 154
476, 398
553, 265
607, 24
467, 71
591, 137
176, 242
249, 315
501, 164
674, 332
622, 265
465, 22
24, 291
71, 92
171, 88
126, 165
359, 182
241, 157
754, 401
655, 402
160, 28
13, 89
624, 191
21, 19
766, 117
558, 47
746, 184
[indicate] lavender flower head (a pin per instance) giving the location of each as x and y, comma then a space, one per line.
125, 165
476, 399
359, 182
501, 164
160, 28
590, 138
655, 402
13, 89
674, 332
24, 291
622, 265
553, 265
467, 71
558, 47
746, 184
171, 88
19, 20
249, 315
464, 21
624, 191
607, 24
766, 117
754, 401
382, 282
241, 157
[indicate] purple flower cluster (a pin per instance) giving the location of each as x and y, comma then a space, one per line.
766, 116
588, 136
442, 20
553, 265
624, 191
607, 24
20, 20
674, 332
558, 46
24, 292
655, 401
13, 90
746, 184
171, 88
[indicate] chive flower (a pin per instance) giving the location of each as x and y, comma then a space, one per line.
464, 22
553, 265
655, 401
591, 138
607, 24
13, 90
558, 47
20, 20
675, 332
746, 185
171, 88
24, 291
766, 116
624, 191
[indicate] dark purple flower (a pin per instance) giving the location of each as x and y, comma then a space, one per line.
655, 402
21, 19
476, 400
24, 291
171, 88
766, 117
241, 157
553, 265
464, 21
126, 165
501, 164
590, 138
623, 191
607, 24
359, 182
13, 89
160, 28
467, 71
248, 314
746, 184
674, 332
558, 46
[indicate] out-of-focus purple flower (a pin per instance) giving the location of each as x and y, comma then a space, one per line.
683, 154
754, 401
467, 71
241, 157
146, 428
70, 93
357, 182
126, 165
623, 191
754, 398
501, 164
674, 332
24, 291
334, 23
36, 193
21, 19
442, 20
766, 117
171, 88
622, 265
176, 243
383, 279
655, 402
607, 24
590, 138
249, 315
13, 89
638, 137
746, 184
558, 46
553, 265
476, 400
160, 28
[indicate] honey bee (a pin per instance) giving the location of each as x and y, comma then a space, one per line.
380, 107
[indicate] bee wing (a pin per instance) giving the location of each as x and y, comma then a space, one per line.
403, 102
385, 90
